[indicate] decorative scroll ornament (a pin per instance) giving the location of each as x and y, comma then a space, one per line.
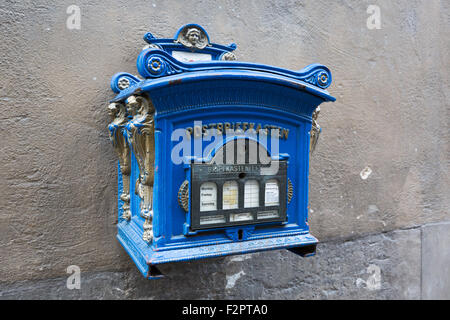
320, 79
122, 81
228, 56
151, 46
315, 130
142, 137
183, 196
290, 190
156, 63
193, 37
117, 111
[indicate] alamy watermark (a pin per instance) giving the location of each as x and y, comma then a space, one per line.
225, 143
374, 20
373, 282
74, 280
73, 21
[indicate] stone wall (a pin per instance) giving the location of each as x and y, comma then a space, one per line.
385, 236
402, 264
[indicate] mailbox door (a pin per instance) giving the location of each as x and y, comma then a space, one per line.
205, 105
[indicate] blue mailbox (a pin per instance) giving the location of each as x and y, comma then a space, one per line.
213, 153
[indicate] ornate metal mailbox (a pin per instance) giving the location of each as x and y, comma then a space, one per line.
213, 153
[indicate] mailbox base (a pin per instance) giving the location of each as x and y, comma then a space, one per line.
147, 257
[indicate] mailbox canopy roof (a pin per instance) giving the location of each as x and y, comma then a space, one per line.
165, 66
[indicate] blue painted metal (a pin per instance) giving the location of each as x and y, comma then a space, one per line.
226, 92
170, 45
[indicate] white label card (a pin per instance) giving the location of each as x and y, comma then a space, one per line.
185, 56
208, 196
230, 195
272, 193
251, 194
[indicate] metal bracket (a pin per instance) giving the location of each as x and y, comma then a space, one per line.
304, 251
154, 273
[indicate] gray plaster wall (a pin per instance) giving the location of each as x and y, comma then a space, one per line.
383, 237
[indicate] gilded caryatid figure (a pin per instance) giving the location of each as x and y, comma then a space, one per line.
118, 114
142, 136
315, 130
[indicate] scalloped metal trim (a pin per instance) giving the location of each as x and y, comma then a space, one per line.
290, 190
183, 196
